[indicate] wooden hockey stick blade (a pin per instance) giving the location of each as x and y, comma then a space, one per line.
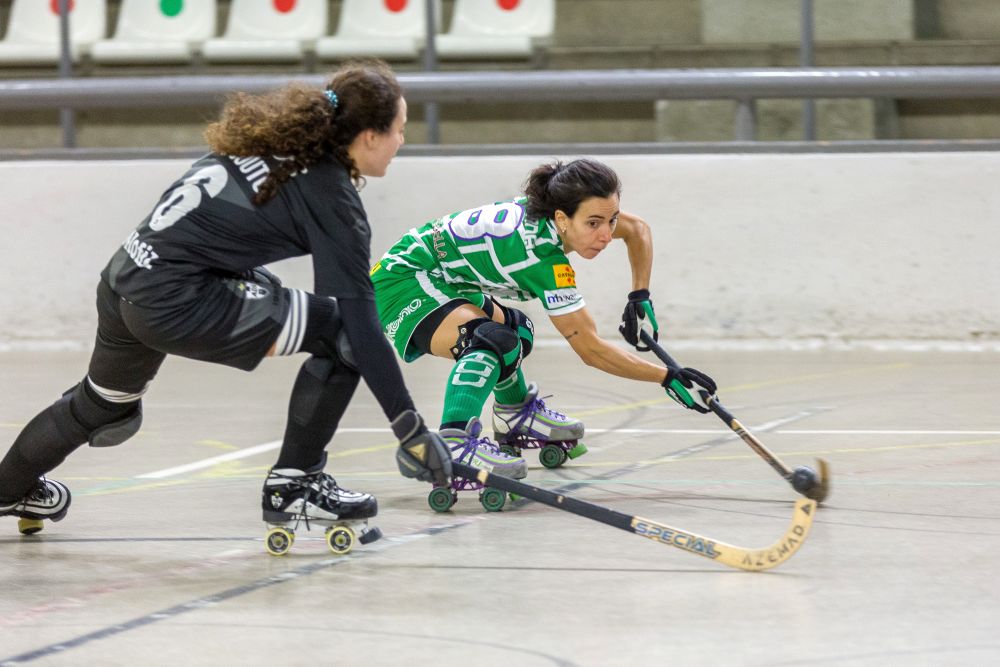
817, 493
727, 554
822, 488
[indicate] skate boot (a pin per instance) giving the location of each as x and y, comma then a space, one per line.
470, 448
292, 497
48, 499
531, 425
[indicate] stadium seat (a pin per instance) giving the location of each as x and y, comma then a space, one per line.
157, 31
384, 28
497, 28
269, 30
33, 30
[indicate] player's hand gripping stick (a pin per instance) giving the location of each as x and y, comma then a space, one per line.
814, 484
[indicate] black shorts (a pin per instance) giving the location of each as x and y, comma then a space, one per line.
234, 322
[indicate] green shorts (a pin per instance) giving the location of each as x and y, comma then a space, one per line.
405, 298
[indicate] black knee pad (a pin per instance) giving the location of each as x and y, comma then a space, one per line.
79, 416
484, 334
107, 423
522, 325
325, 336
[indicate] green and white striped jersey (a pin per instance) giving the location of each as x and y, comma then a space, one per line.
494, 249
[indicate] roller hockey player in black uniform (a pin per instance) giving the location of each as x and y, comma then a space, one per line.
280, 182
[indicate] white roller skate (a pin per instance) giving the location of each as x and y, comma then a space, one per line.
531, 425
469, 447
292, 497
48, 499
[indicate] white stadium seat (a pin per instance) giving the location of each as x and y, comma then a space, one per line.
269, 30
33, 30
157, 31
384, 28
497, 28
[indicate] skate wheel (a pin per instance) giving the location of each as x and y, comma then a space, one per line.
278, 541
579, 450
441, 499
492, 499
340, 539
510, 450
370, 535
552, 456
29, 526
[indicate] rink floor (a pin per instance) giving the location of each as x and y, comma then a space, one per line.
161, 559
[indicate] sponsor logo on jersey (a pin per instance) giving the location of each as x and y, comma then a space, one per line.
254, 169
437, 239
253, 291
560, 297
378, 265
140, 251
410, 308
564, 274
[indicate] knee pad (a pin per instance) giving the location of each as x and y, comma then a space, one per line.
325, 336
485, 334
81, 417
522, 325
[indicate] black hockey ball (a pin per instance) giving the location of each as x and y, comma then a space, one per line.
804, 479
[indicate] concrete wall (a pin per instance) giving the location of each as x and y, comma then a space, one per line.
779, 20
898, 246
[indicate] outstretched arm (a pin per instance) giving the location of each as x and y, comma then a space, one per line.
579, 329
681, 384
634, 231
639, 307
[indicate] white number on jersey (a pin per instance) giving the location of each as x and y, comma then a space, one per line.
187, 195
496, 220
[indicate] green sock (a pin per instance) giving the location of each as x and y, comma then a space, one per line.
511, 391
469, 385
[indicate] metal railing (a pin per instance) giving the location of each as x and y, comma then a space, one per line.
744, 86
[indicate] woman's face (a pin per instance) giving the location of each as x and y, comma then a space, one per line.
373, 151
589, 231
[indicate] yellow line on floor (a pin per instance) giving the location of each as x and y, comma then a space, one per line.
725, 391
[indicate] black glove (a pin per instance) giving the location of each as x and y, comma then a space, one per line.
260, 275
690, 388
422, 454
638, 309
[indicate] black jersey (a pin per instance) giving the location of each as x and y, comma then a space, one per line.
206, 224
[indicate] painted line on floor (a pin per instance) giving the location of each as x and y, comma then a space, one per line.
235, 592
768, 426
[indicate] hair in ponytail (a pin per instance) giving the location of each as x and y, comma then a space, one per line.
563, 187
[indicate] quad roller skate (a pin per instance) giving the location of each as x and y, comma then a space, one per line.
468, 447
531, 425
48, 499
295, 497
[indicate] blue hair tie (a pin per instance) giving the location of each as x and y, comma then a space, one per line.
332, 96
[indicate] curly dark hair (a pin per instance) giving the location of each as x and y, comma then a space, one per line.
300, 126
563, 187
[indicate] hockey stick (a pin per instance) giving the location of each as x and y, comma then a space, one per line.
814, 484
727, 554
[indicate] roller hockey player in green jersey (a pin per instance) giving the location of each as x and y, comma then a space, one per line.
437, 288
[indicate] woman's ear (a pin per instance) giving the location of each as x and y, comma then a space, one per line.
562, 221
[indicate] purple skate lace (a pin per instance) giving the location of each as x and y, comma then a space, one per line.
469, 445
529, 409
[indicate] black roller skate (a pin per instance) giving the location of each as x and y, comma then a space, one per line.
531, 425
292, 497
48, 499
470, 448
